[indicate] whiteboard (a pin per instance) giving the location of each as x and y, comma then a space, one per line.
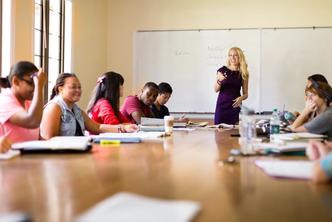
288, 57
279, 62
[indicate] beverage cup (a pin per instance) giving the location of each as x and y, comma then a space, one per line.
168, 123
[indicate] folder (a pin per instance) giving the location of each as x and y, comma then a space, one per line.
56, 144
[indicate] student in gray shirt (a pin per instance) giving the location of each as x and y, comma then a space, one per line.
316, 116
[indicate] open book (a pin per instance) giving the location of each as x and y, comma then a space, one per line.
58, 143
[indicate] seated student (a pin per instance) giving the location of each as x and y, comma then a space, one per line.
317, 114
21, 105
135, 107
322, 155
311, 79
158, 108
104, 104
62, 117
5, 145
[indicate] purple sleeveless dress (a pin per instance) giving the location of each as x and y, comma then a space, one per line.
230, 90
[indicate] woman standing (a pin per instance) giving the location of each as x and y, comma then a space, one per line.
228, 83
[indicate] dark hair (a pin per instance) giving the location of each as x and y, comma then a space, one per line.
317, 78
151, 85
164, 87
19, 69
108, 87
60, 81
323, 90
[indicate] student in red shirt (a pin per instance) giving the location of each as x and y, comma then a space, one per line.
135, 107
104, 103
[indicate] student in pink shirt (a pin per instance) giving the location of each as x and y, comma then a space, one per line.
21, 105
104, 104
135, 107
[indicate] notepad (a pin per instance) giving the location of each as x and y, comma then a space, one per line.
128, 207
58, 143
296, 169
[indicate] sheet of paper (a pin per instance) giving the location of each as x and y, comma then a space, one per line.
297, 136
282, 147
142, 135
127, 207
9, 154
296, 169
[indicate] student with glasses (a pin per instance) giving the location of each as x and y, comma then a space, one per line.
316, 116
21, 105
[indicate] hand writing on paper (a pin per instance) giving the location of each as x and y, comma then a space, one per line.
5, 145
237, 102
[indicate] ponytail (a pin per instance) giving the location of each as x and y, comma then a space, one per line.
60, 81
4, 82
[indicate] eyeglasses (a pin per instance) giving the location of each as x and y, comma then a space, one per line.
29, 82
309, 94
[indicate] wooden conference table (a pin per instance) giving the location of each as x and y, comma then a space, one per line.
183, 167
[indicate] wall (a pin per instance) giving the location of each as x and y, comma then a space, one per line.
127, 16
89, 43
22, 18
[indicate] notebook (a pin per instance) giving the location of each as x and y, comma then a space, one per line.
297, 169
128, 207
56, 144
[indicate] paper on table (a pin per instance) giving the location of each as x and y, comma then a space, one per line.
145, 121
297, 136
142, 135
9, 154
296, 169
129, 207
284, 147
223, 126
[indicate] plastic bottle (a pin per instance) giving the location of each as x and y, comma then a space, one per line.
247, 130
275, 123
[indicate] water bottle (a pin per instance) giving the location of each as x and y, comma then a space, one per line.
247, 130
275, 123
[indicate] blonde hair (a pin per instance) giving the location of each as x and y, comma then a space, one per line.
242, 60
